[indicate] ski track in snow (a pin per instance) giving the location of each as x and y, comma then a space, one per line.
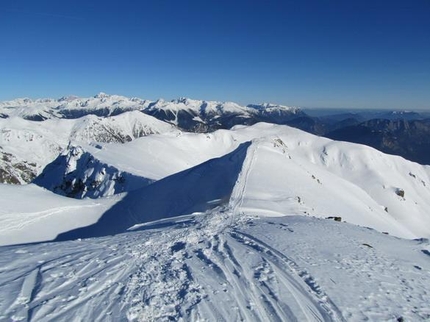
31, 217
201, 267
189, 276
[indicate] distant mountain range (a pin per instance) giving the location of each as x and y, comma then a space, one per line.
30, 136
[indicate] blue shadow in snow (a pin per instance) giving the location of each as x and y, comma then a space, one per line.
192, 190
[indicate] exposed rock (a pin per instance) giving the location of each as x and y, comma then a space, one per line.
77, 174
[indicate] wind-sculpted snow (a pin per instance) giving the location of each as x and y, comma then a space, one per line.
197, 189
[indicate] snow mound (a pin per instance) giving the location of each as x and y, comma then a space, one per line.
119, 129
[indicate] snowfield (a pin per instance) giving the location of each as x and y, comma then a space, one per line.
220, 266
31, 214
229, 226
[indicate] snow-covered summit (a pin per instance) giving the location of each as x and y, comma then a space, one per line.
197, 107
70, 107
273, 107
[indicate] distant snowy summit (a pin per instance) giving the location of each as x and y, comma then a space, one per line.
70, 107
188, 114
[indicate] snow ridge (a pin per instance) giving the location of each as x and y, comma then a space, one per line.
187, 192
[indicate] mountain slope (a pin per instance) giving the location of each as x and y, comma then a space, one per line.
70, 107
300, 173
207, 116
409, 139
288, 172
117, 129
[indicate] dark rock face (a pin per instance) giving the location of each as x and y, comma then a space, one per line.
100, 112
14, 171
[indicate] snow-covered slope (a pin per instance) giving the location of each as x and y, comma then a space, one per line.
120, 129
291, 171
33, 142
219, 267
34, 132
288, 172
206, 116
185, 111
194, 190
14, 170
29, 213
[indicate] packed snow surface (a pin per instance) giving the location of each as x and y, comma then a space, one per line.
220, 266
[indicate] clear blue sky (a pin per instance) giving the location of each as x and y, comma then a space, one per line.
319, 53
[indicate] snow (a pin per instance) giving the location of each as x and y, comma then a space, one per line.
269, 107
180, 194
53, 108
41, 142
77, 174
43, 215
288, 172
217, 266
200, 106
295, 172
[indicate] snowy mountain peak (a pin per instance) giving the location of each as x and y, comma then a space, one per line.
184, 100
101, 95
68, 98
273, 107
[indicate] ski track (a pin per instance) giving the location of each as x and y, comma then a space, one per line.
202, 268
266, 286
32, 217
